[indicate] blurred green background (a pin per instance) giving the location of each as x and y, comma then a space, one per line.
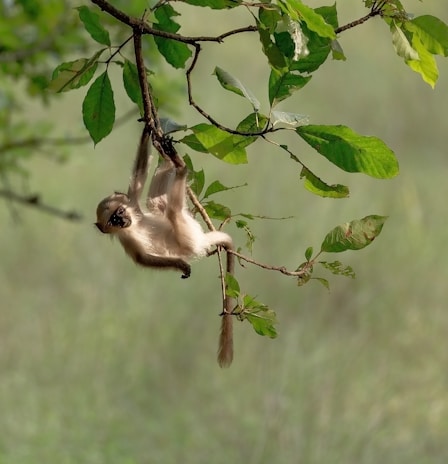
102, 362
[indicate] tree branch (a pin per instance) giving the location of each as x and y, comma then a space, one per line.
36, 142
376, 10
304, 270
35, 202
145, 28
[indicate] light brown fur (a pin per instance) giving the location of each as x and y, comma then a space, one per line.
165, 235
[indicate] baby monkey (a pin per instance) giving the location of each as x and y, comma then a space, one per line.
166, 236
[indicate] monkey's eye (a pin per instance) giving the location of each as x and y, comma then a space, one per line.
116, 219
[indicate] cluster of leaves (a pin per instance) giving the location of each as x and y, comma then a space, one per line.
296, 40
28, 31
354, 235
35, 36
417, 40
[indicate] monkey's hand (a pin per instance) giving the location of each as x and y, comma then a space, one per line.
186, 270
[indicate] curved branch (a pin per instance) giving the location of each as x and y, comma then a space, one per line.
145, 28
209, 118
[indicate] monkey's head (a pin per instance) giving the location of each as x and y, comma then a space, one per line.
113, 214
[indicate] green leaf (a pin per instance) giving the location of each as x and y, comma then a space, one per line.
306, 270
269, 18
317, 186
260, 316
432, 32
303, 280
319, 47
233, 84
175, 53
401, 43
253, 123
274, 55
353, 235
192, 141
337, 268
98, 108
217, 211
164, 15
74, 74
93, 26
426, 65
290, 119
350, 151
197, 181
308, 253
330, 15
283, 84
227, 147
250, 237
215, 4
132, 84
314, 21
323, 281
215, 187
232, 286
337, 51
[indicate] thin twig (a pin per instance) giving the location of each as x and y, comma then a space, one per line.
35, 202
36, 142
201, 210
118, 50
281, 269
376, 10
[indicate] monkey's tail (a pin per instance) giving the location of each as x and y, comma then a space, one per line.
225, 350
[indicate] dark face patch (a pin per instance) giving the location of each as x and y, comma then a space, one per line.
119, 218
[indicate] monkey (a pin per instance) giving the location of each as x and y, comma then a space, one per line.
166, 235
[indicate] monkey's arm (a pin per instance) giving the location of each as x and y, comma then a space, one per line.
140, 169
147, 260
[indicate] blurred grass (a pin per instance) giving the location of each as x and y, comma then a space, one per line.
102, 362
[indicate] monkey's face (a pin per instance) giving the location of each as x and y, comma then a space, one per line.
113, 214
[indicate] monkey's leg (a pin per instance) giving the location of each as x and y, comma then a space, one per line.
159, 187
176, 195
